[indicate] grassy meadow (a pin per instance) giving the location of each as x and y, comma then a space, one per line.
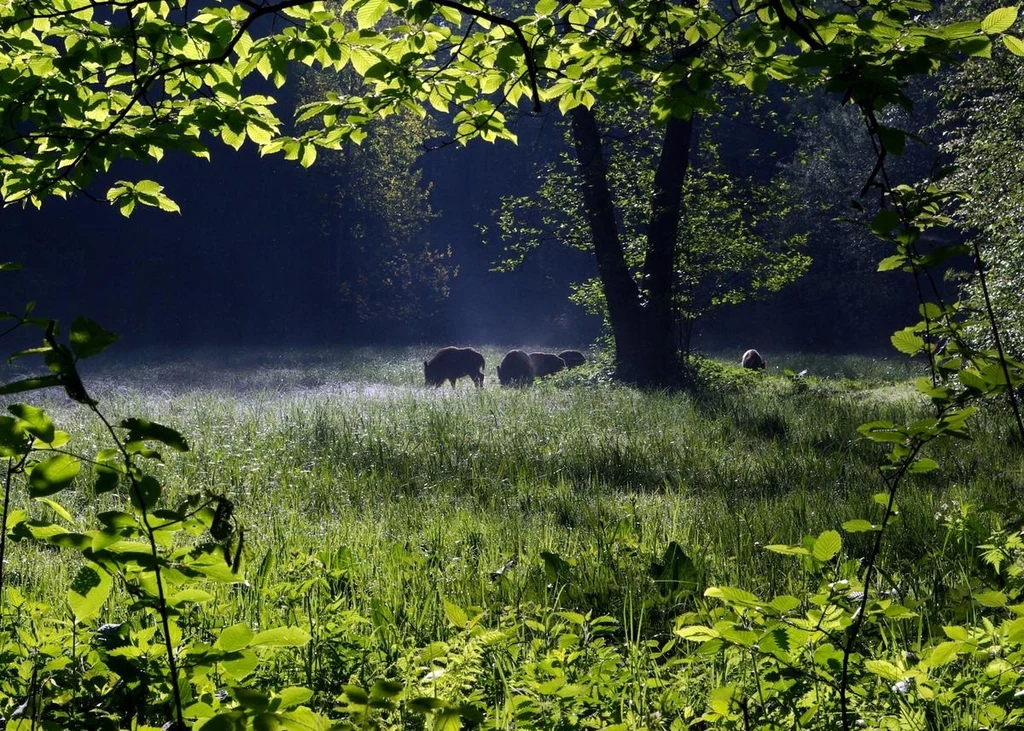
382, 515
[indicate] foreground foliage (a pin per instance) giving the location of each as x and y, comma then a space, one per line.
483, 591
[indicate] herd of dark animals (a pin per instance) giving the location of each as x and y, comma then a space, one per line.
519, 368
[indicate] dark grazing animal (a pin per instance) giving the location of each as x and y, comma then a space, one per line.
515, 369
544, 364
753, 360
450, 364
572, 358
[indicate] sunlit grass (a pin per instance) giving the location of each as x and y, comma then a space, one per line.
427, 492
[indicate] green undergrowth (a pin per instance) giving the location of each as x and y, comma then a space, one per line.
398, 525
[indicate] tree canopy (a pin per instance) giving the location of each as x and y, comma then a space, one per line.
86, 83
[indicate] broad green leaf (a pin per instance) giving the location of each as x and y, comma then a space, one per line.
145, 493
34, 421
731, 595
999, 20
31, 384
240, 664
907, 341
107, 479
192, 596
448, 719
53, 475
894, 141
383, 689
945, 652
992, 598
13, 439
88, 591
858, 526
884, 222
88, 338
456, 615
892, 262
923, 465
370, 12
142, 429
787, 550
696, 633
884, 669
251, 698
784, 603
291, 696
236, 637
1014, 45
827, 545
57, 508
281, 637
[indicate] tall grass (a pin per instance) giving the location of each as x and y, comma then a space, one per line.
419, 495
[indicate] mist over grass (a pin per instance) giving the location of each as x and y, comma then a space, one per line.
423, 493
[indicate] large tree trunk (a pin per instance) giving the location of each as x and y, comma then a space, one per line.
642, 322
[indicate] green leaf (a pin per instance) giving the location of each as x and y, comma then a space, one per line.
999, 20
34, 421
13, 439
787, 550
236, 637
992, 598
281, 637
448, 719
923, 465
696, 633
57, 508
546, 7
383, 689
240, 664
142, 429
827, 545
456, 615
31, 384
145, 493
894, 141
292, 696
884, 222
884, 669
1014, 45
88, 338
731, 595
907, 341
88, 591
370, 12
892, 262
858, 526
107, 479
784, 603
944, 653
53, 475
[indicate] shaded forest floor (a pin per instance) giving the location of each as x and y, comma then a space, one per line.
381, 515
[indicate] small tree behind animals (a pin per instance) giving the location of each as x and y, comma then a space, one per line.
731, 245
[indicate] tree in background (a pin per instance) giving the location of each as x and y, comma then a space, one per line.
731, 242
827, 173
381, 268
983, 133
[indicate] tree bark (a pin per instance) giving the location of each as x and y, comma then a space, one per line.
663, 237
642, 321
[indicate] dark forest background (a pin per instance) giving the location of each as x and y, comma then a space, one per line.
261, 256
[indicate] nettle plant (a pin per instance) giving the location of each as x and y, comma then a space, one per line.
63, 669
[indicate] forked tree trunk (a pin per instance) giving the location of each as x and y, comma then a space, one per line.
641, 319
